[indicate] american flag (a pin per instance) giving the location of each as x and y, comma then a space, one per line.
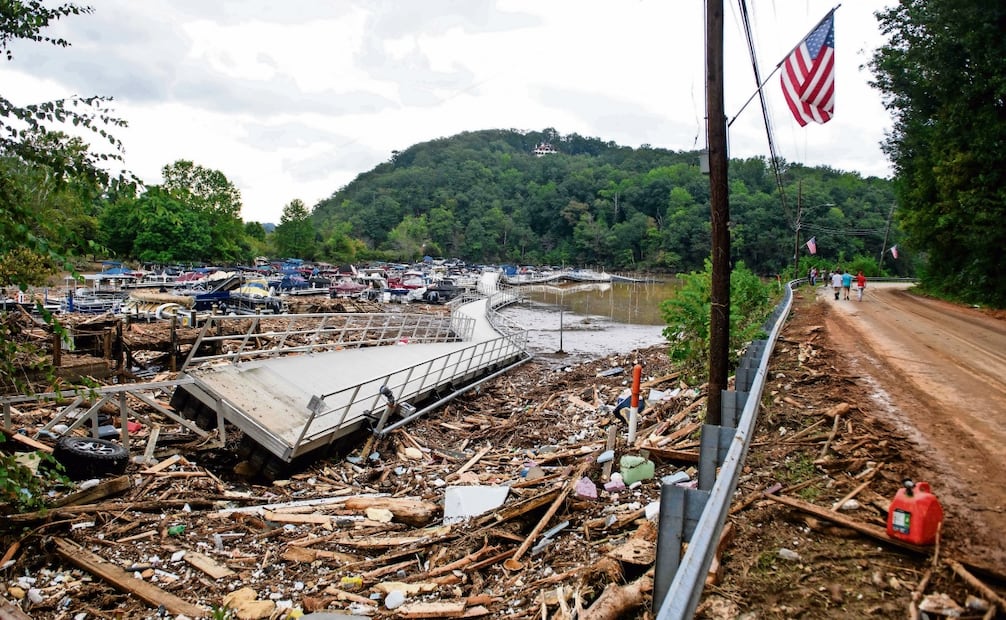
812, 245
808, 75
894, 252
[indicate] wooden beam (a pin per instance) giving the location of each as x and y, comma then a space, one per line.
100, 491
120, 579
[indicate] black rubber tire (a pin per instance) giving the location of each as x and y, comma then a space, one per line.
275, 469
85, 457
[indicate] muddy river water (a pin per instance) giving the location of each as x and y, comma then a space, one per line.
575, 323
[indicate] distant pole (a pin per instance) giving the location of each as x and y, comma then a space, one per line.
719, 319
560, 329
883, 246
796, 242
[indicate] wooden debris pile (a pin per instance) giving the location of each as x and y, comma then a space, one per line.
501, 506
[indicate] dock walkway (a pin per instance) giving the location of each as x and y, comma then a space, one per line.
295, 404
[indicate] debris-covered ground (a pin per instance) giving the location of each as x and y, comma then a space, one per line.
553, 532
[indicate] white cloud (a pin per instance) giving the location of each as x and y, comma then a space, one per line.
293, 100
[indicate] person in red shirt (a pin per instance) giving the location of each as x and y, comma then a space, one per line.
860, 284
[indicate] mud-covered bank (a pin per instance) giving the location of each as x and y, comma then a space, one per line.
560, 338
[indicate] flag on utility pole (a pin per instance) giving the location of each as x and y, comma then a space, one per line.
812, 245
894, 252
808, 75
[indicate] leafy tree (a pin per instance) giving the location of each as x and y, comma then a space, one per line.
31, 147
255, 230
408, 240
211, 193
295, 234
169, 231
943, 79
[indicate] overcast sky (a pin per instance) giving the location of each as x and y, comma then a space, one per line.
294, 99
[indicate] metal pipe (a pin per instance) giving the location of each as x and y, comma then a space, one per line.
450, 397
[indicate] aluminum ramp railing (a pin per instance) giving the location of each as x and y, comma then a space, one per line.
292, 405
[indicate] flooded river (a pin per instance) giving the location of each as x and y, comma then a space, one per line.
585, 321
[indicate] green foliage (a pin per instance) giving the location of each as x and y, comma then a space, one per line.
294, 236
486, 198
943, 80
796, 470
687, 315
21, 488
158, 228
210, 193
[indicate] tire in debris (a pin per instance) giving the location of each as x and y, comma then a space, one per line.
86, 457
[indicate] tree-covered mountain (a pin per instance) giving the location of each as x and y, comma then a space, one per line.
485, 196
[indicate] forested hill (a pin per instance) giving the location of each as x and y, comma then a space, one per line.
485, 196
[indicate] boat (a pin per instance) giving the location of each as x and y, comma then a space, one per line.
347, 288
254, 296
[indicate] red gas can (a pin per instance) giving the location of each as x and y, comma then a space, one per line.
915, 514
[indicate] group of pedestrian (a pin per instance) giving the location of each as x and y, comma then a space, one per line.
841, 282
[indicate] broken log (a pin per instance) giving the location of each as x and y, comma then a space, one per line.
521, 507
617, 601
976, 583
416, 513
877, 533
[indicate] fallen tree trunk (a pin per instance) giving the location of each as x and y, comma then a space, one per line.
617, 601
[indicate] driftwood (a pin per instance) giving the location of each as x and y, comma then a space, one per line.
413, 512
515, 510
675, 456
853, 493
208, 565
514, 562
831, 437
9, 611
976, 583
116, 506
715, 572
102, 490
872, 531
617, 601
147, 592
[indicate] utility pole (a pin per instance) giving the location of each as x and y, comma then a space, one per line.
716, 137
883, 246
796, 241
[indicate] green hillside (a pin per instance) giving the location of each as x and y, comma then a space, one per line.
485, 196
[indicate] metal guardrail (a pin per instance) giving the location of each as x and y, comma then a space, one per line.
236, 338
677, 598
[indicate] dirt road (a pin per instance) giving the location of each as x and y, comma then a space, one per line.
938, 372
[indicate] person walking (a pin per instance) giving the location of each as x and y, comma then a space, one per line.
860, 284
846, 283
836, 282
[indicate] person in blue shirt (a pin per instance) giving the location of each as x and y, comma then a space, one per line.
846, 283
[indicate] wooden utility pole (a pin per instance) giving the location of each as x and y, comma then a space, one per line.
796, 240
716, 137
883, 246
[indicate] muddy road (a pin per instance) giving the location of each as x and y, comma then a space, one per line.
937, 372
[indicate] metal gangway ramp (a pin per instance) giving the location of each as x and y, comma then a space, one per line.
324, 376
